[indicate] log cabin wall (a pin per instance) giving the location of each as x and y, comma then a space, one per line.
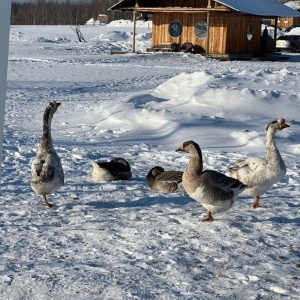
160, 28
228, 32
237, 27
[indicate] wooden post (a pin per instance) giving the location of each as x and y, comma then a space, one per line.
4, 25
134, 25
207, 36
208, 21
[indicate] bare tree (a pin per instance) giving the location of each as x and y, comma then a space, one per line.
79, 34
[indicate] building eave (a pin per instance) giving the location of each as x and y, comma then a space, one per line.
174, 9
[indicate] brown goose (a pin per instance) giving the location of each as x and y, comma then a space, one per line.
165, 181
47, 174
214, 190
260, 174
116, 169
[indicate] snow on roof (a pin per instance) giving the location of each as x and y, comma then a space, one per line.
261, 7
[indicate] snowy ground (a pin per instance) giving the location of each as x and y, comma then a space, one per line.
119, 240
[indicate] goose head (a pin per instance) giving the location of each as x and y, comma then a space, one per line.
277, 125
156, 171
152, 175
190, 147
122, 161
51, 108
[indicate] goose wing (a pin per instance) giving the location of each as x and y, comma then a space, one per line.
252, 164
170, 176
249, 171
168, 181
45, 168
219, 186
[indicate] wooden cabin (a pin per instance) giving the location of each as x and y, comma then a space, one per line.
286, 22
213, 27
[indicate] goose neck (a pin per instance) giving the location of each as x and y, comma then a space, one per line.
46, 139
195, 166
272, 153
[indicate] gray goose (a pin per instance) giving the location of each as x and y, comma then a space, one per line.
215, 191
259, 174
116, 169
47, 174
164, 181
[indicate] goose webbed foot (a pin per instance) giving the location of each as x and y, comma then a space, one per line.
256, 203
209, 218
46, 203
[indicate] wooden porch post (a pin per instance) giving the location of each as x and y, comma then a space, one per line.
208, 25
134, 25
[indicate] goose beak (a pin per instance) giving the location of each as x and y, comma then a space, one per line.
179, 149
58, 104
282, 123
285, 126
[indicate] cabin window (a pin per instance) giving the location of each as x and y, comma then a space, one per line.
250, 31
200, 30
175, 29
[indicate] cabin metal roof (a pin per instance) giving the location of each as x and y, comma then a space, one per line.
266, 8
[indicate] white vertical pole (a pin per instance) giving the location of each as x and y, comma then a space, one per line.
4, 38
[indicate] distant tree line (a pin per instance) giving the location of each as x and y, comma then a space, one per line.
55, 12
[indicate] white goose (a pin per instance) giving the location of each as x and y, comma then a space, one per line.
260, 174
214, 190
164, 181
47, 174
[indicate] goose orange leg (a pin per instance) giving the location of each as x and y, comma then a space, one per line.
209, 218
46, 203
256, 202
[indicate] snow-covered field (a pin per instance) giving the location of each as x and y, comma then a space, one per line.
120, 240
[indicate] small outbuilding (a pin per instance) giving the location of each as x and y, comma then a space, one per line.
213, 27
102, 19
